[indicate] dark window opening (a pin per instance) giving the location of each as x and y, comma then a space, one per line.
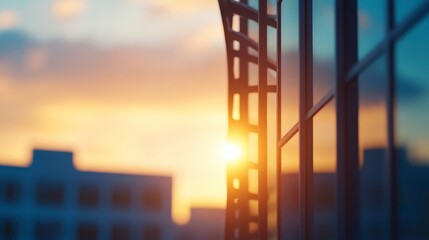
10, 192
50, 193
86, 231
120, 232
121, 197
152, 232
152, 199
88, 196
48, 230
8, 229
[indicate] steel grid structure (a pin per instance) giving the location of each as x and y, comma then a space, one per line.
344, 100
247, 209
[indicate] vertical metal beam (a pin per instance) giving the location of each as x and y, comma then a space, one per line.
347, 122
262, 120
243, 224
279, 119
305, 133
391, 153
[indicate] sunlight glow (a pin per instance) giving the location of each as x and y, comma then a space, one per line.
232, 152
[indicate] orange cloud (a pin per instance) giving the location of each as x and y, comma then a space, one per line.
120, 109
204, 39
63, 9
8, 19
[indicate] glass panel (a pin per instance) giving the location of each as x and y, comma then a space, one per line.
252, 148
272, 56
371, 24
412, 131
289, 65
272, 166
253, 73
253, 177
324, 178
373, 162
253, 3
253, 108
404, 7
253, 30
236, 107
272, 7
272, 51
323, 47
290, 225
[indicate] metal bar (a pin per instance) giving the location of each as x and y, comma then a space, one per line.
394, 34
288, 136
305, 138
242, 9
316, 108
347, 122
278, 121
244, 39
390, 153
262, 121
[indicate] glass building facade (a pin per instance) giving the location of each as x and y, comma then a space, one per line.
330, 101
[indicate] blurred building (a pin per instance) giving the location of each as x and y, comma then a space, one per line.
205, 223
329, 100
50, 200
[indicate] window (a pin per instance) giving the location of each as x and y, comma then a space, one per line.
152, 199
352, 125
412, 131
86, 231
10, 191
8, 229
289, 193
50, 193
151, 232
373, 162
88, 196
120, 232
121, 197
48, 230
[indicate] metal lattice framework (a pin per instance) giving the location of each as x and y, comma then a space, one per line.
247, 190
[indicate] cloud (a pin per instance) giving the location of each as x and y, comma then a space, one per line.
65, 9
183, 6
124, 108
8, 19
208, 37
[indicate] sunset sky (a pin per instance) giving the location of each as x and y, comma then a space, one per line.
131, 86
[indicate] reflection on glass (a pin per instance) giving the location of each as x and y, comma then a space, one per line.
290, 225
272, 54
323, 47
289, 65
371, 24
374, 169
412, 131
272, 165
253, 30
272, 7
404, 7
290, 189
324, 178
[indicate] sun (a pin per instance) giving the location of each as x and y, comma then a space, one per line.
231, 152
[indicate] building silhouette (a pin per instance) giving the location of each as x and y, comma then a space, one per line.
328, 99
205, 223
51, 199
